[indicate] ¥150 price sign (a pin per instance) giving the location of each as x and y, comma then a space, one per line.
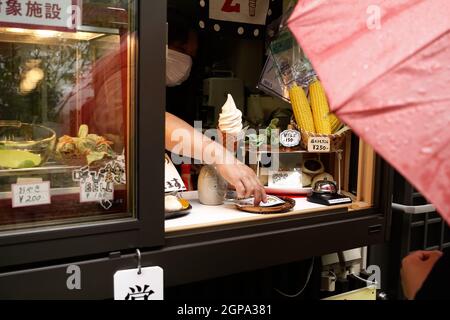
319, 145
28, 195
290, 138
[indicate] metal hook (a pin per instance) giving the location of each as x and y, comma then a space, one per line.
139, 258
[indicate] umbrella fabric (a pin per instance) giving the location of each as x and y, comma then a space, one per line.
386, 68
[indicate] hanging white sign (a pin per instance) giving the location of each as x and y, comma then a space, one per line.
144, 284
241, 11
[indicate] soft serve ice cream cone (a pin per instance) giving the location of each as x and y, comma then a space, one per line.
230, 124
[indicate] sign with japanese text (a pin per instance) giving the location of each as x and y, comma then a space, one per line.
241, 11
93, 189
53, 14
172, 181
290, 138
292, 179
319, 145
30, 194
95, 186
143, 284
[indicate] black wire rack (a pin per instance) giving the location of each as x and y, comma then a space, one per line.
415, 226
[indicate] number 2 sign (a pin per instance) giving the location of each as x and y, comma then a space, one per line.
230, 6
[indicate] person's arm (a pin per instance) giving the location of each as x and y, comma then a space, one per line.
437, 284
416, 268
183, 139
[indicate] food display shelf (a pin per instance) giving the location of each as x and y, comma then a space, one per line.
49, 168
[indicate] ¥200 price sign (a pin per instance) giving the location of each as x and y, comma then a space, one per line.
319, 145
28, 195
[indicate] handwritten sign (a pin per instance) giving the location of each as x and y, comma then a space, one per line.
241, 11
30, 194
95, 186
38, 13
290, 138
172, 181
319, 145
93, 190
291, 179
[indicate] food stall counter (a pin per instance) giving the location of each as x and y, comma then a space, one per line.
209, 217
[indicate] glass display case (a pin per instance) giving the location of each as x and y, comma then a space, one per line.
67, 100
69, 117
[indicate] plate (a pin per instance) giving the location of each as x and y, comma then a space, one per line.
177, 214
288, 206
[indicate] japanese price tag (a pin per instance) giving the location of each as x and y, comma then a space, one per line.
319, 145
290, 138
30, 194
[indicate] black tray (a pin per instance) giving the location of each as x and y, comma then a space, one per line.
178, 214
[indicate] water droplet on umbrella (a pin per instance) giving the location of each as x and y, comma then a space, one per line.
427, 150
422, 91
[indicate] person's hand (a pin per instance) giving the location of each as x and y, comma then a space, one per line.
415, 270
244, 180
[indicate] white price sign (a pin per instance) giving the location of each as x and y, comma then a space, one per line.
319, 145
135, 284
290, 138
94, 191
30, 194
285, 179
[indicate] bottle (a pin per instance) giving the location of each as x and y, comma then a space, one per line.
211, 187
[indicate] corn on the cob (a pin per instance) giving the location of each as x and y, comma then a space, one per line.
336, 124
320, 108
302, 109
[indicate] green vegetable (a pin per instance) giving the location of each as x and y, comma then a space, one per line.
257, 140
95, 156
16, 159
83, 131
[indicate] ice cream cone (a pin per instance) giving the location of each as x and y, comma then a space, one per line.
230, 125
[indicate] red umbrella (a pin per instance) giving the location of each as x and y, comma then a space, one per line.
386, 68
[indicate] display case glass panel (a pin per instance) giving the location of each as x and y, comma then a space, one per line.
67, 95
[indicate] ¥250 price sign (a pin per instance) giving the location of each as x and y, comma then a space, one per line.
319, 145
